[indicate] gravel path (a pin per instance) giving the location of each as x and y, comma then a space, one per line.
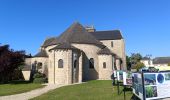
31, 94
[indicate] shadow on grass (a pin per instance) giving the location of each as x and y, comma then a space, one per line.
20, 82
17, 82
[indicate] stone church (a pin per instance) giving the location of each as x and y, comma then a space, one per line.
80, 54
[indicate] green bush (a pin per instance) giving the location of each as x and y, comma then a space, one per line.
38, 75
39, 80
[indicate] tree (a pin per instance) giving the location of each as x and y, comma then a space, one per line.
128, 62
133, 62
136, 57
9, 61
139, 65
168, 64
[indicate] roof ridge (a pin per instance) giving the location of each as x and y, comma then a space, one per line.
76, 33
106, 30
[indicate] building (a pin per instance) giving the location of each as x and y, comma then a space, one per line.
147, 61
80, 54
161, 61
158, 61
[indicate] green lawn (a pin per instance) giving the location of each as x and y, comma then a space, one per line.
17, 87
92, 90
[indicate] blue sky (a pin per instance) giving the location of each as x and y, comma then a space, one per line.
145, 24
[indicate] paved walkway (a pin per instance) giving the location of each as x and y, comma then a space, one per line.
31, 94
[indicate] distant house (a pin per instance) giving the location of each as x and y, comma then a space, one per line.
161, 61
147, 61
79, 54
158, 61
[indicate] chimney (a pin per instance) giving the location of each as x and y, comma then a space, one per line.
90, 28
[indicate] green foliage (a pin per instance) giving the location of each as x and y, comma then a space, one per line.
17, 75
136, 57
38, 75
10, 60
39, 78
168, 64
135, 61
139, 65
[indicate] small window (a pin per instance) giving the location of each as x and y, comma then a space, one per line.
104, 64
39, 65
91, 63
60, 63
112, 44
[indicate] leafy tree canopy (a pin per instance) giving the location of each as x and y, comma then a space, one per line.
133, 62
9, 61
136, 57
168, 64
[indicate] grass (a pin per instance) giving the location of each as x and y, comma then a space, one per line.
17, 87
92, 90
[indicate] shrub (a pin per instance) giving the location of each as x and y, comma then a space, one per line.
38, 75
39, 78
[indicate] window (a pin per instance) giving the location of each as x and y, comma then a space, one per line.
60, 63
112, 44
75, 63
104, 64
39, 65
91, 63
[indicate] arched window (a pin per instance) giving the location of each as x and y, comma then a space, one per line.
104, 64
91, 63
111, 43
60, 63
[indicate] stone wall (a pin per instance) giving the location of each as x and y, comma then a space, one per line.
118, 48
105, 73
60, 75
42, 60
90, 51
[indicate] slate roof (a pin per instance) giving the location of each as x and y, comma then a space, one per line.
76, 33
42, 53
105, 51
145, 58
107, 35
50, 41
64, 46
161, 60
